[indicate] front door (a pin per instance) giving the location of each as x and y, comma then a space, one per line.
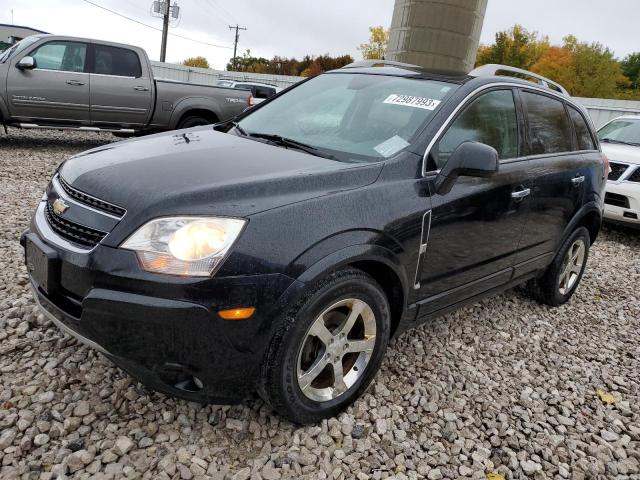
56, 90
475, 228
121, 90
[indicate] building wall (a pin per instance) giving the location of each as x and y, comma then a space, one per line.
11, 33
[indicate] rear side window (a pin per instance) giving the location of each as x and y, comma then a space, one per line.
264, 92
549, 127
490, 119
62, 56
584, 138
116, 61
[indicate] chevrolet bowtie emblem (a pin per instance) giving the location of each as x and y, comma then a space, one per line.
59, 207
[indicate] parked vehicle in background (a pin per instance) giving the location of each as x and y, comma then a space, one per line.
620, 140
259, 91
50, 81
280, 251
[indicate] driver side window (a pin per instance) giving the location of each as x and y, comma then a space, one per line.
490, 119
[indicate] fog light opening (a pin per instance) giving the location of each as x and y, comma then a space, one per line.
178, 376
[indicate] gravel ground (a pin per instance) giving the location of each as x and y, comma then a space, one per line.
503, 389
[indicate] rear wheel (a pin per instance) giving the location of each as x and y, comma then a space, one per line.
194, 121
563, 276
328, 349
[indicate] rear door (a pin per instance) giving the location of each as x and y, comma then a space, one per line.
475, 229
559, 172
121, 91
57, 89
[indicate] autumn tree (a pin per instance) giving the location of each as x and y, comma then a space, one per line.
308, 66
377, 45
631, 68
516, 47
556, 63
199, 62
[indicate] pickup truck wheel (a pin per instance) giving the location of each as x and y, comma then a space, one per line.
561, 279
327, 349
194, 121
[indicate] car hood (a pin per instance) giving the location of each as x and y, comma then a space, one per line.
621, 153
202, 171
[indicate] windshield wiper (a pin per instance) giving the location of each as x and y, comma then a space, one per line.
621, 142
232, 124
291, 143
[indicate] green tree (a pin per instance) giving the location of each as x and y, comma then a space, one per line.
631, 68
377, 45
199, 62
516, 47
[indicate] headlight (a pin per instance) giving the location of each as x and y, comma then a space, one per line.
193, 246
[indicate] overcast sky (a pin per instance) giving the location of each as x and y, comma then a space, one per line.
298, 27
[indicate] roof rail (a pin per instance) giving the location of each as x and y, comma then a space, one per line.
493, 69
379, 63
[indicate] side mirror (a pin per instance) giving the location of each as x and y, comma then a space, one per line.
470, 159
26, 63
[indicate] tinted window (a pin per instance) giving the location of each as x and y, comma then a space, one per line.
584, 138
549, 128
116, 61
63, 56
490, 119
264, 92
353, 117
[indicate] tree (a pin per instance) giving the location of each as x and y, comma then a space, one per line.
631, 68
308, 66
199, 62
516, 47
377, 45
556, 63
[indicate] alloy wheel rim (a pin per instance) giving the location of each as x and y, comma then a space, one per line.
336, 350
571, 266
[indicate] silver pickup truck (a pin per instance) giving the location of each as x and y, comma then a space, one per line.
51, 81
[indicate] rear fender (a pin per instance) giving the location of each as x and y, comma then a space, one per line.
194, 103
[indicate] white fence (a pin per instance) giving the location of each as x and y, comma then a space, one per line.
601, 109
207, 76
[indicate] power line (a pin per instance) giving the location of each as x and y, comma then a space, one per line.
224, 10
154, 28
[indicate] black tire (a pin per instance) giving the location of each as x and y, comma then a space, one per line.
279, 385
193, 121
546, 289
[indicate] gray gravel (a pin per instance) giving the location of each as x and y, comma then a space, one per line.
504, 389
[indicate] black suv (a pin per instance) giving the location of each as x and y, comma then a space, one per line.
281, 251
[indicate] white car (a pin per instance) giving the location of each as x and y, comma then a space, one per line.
620, 139
259, 91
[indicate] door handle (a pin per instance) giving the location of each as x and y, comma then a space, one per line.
75, 83
141, 88
520, 194
577, 180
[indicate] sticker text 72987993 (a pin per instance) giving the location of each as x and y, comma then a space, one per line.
412, 101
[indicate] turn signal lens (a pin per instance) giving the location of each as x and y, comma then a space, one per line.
237, 313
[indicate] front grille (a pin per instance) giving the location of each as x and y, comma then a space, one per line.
635, 176
616, 200
73, 232
91, 201
617, 169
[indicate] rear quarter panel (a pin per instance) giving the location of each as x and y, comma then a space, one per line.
175, 99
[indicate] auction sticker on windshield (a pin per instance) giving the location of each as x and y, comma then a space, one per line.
411, 101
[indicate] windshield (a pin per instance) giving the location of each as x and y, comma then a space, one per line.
17, 48
352, 117
625, 130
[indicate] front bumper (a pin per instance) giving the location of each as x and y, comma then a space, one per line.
164, 330
626, 192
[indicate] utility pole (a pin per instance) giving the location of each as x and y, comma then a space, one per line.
165, 29
237, 28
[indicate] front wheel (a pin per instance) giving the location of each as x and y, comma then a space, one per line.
328, 349
193, 121
561, 279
